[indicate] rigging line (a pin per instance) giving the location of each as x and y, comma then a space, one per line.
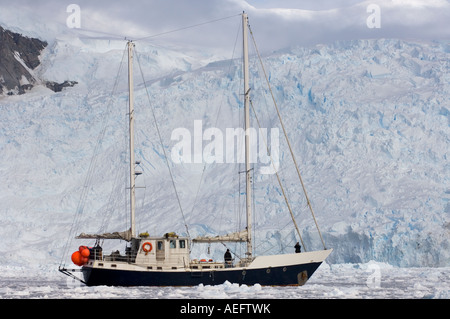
162, 146
120, 177
278, 178
112, 35
114, 197
92, 165
217, 119
287, 140
187, 27
111, 203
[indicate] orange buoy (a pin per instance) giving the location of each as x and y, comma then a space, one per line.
81, 256
76, 258
85, 252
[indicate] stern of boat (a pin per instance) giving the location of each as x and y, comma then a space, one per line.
292, 269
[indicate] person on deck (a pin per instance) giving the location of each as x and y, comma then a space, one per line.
227, 258
298, 248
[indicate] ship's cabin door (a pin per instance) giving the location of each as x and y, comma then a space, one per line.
160, 253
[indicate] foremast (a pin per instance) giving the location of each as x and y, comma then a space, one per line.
130, 45
248, 192
127, 235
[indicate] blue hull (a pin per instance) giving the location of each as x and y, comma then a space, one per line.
273, 276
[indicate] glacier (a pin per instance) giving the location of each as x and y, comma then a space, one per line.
368, 119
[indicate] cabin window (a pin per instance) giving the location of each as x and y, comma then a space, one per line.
173, 243
182, 243
160, 245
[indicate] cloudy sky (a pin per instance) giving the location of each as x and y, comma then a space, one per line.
275, 23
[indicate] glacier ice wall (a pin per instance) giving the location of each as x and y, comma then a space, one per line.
368, 119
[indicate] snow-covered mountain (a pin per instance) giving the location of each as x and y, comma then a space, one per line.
368, 119
20, 56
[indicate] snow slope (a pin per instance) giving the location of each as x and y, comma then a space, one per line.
368, 119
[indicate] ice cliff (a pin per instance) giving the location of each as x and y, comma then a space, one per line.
369, 121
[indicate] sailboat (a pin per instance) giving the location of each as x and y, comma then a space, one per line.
165, 260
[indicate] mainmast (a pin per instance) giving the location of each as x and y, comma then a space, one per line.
245, 235
247, 135
132, 161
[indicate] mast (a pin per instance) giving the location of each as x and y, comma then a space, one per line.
131, 125
247, 136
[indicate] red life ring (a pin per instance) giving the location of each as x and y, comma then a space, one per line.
147, 247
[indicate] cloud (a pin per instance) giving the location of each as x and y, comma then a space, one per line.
276, 23
416, 19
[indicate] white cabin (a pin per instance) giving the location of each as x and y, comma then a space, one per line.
163, 252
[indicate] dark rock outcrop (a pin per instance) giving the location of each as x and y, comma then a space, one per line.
19, 56
57, 87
